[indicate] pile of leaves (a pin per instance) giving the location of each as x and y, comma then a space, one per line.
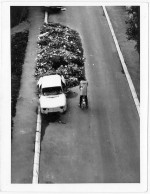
60, 51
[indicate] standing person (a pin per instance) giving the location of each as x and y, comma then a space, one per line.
63, 83
83, 91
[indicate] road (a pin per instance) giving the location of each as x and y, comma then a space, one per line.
101, 144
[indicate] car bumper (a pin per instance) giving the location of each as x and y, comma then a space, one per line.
53, 110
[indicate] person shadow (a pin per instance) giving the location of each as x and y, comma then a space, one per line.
71, 94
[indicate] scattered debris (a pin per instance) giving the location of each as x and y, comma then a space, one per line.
63, 9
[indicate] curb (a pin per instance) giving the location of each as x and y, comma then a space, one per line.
37, 149
133, 92
46, 17
36, 164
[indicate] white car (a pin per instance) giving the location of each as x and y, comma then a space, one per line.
52, 96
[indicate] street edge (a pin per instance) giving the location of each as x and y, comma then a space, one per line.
133, 92
37, 149
36, 163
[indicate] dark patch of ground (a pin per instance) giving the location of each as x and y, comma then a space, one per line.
18, 14
18, 48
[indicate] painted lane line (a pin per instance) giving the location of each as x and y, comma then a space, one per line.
134, 95
37, 149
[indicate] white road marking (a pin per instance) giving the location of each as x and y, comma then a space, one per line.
37, 149
134, 95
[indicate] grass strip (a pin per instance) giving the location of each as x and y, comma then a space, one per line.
18, 48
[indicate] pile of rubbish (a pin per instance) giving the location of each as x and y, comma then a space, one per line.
60, 51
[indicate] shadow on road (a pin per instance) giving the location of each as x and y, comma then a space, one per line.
71, 94
46, 120
55, 117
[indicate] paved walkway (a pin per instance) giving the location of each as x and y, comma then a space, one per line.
25, 119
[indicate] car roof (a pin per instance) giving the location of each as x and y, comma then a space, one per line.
51, 81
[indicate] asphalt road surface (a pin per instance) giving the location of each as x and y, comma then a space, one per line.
101, 144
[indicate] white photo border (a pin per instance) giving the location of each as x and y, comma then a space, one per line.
5, 125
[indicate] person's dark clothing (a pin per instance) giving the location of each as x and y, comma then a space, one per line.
86, 100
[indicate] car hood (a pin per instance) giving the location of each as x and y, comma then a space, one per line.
52, 101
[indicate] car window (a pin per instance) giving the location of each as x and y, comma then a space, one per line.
52, 91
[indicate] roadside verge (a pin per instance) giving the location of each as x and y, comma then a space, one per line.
23, 141
133, 92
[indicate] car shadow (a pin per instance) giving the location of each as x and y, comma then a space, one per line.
71, 94
46, 120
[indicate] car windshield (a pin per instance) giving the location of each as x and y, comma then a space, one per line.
51, 91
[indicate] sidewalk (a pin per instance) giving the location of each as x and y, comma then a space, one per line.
23, 136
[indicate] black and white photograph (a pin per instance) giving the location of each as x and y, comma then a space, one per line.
76, 111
